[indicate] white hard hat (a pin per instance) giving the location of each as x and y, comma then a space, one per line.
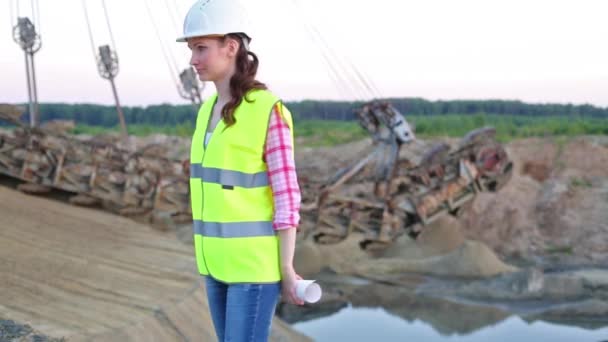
214, 17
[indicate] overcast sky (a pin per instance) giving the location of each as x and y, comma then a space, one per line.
531, 50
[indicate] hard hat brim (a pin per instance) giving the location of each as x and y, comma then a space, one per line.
185, 38
194, 35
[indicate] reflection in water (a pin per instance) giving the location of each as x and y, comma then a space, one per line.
376, 324
402, 302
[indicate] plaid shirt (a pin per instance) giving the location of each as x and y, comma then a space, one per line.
279, 157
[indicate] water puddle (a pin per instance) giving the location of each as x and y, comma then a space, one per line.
376, 324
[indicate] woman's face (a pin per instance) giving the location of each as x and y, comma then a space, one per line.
212, 57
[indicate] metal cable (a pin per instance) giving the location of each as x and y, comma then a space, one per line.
177, 12
172, 15
366, 85
86, 16
170, 53
341, 61
367, 82
361, 91
105, 10
330, 57
332, 73
162, 47
356, 79
335, 75
364, 77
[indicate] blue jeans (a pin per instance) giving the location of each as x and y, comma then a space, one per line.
242, 312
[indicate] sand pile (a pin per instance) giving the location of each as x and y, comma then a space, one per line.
441, 250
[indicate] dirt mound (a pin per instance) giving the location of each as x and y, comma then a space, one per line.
554, 207
505, 221
343, 256
472, 259
440, 250
585, 157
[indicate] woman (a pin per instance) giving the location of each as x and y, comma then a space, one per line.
244, 191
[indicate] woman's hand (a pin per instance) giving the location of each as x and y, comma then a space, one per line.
288, 287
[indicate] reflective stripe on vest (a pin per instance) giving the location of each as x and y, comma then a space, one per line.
233, 229
229, 177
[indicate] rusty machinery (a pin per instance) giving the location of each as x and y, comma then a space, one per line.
384, 194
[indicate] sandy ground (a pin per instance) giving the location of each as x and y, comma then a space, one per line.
88, 275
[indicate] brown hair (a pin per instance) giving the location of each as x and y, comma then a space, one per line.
242, 81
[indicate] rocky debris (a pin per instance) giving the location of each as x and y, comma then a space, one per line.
11, 331
171, 147
137, 181
11, 113
59, 126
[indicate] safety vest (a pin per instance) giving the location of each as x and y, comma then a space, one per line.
232, 204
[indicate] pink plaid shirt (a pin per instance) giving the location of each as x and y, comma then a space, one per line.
278, 154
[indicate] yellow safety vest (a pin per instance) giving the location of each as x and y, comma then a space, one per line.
232, 204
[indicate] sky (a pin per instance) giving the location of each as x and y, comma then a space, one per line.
539, 51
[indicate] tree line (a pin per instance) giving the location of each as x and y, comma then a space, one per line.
167, 114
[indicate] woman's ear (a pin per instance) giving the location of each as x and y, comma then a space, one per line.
233, 47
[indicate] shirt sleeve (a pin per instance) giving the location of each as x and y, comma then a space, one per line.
279, 157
